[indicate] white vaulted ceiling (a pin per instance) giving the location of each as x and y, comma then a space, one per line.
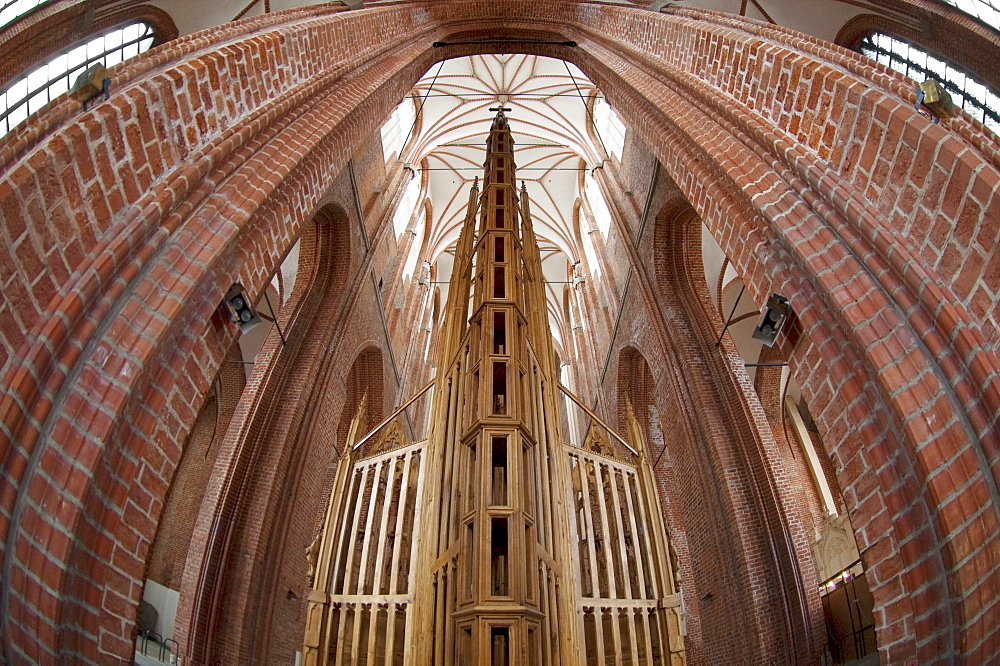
548, 118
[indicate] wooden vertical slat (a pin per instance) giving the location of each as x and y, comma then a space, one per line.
455, 527
609, 565
545, 606
345, 531
439, 586
345, 611
390, 488
390, 483
594, 575
449, 623
616, 498
545, 456
639, 619
588, 518
373, 499
553, 620
397, 549
390, 634
647, 539
616, 509
444, 492
350, 539
637, 536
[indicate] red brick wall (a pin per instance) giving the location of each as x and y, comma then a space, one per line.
187, 488
261, 514
718, 463
806, 162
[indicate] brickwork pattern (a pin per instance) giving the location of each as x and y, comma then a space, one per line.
187, 488
806, 161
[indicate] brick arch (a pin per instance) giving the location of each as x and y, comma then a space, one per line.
259, 514
768, 242
364, 377
115, 303
944, 30
637, 384
169, 549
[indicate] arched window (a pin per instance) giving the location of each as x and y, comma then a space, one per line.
407, 203
602, 216
609, 128
987, 11
590, 252
11, 9
397, 129
45, 82
419, 227
978, 100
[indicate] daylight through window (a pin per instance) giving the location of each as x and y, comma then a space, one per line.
11, 9
979, 101
396, 129
987, 11
41, 85
609, 128
406, 205
602, 216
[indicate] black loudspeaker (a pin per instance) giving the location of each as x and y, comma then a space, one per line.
240, 309
772, 319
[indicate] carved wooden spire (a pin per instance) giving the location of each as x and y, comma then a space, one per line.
503, 571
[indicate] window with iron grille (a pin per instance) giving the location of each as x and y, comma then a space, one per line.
978, 100
40, 85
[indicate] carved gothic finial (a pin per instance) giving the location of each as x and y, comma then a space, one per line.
392, 437
597, 441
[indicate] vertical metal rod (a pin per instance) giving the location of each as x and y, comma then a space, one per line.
275, 315
416, 117
586, 108
731, 313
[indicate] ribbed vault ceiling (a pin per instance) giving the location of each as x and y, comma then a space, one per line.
548, 116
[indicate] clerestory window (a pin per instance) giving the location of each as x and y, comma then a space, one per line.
396, 131
978, 100
987, 11
609, 128
599, 207
12, 9
57, 74
407, 204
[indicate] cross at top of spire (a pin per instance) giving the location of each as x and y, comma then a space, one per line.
500, 121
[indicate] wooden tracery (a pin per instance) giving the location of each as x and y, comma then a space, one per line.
494, 542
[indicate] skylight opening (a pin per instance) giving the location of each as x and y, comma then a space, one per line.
55, 76
396, 130
12, 9
609, 128
974, 97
